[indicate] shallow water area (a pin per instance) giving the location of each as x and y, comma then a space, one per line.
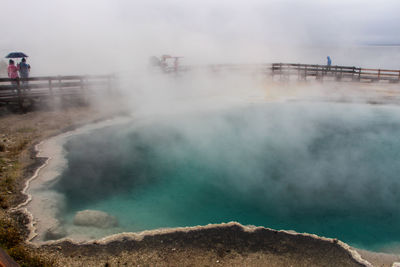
323, 168
45, 204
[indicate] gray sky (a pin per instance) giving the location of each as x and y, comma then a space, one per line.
76, 33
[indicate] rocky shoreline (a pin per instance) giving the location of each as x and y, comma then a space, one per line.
229, 244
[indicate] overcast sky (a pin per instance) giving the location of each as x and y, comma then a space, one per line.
97, 32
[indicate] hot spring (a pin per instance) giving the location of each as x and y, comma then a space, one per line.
324, 168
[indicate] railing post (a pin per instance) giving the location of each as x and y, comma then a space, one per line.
20, 97
81, 82
322, 71
305, 73
273, 71
59, 83
50, 88
317, 75
298, 72
109, 77
286, 74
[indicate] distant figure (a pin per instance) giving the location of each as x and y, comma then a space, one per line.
155, 61
24, 70
164, 64
13, 73
328, 63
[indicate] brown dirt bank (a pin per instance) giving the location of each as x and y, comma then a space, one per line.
217, 245
227, 245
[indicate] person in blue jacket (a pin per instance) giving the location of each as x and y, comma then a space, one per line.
328, 63
24, 70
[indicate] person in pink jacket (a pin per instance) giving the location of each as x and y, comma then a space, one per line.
13, 72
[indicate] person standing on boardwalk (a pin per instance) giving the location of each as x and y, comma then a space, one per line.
13, 73
24, 70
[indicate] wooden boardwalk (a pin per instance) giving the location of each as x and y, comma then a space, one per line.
338, 73
287, 71
36, 89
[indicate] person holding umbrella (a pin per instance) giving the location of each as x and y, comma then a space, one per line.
12, 69
13, 73
24, 69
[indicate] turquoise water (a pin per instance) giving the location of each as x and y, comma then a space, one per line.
328, 169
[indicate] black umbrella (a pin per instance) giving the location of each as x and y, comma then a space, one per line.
16, 55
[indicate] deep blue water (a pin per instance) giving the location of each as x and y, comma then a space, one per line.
328, 169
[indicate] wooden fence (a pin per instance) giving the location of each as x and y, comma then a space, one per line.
303, 71
38, 88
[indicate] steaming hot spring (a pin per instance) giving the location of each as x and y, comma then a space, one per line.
330, 169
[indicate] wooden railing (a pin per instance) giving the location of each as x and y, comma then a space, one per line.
36, 88
303, 71
338, 72
14, 91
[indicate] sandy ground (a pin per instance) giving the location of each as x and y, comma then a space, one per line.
226, 245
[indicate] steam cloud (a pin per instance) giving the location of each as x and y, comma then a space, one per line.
321, 168
75, 37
